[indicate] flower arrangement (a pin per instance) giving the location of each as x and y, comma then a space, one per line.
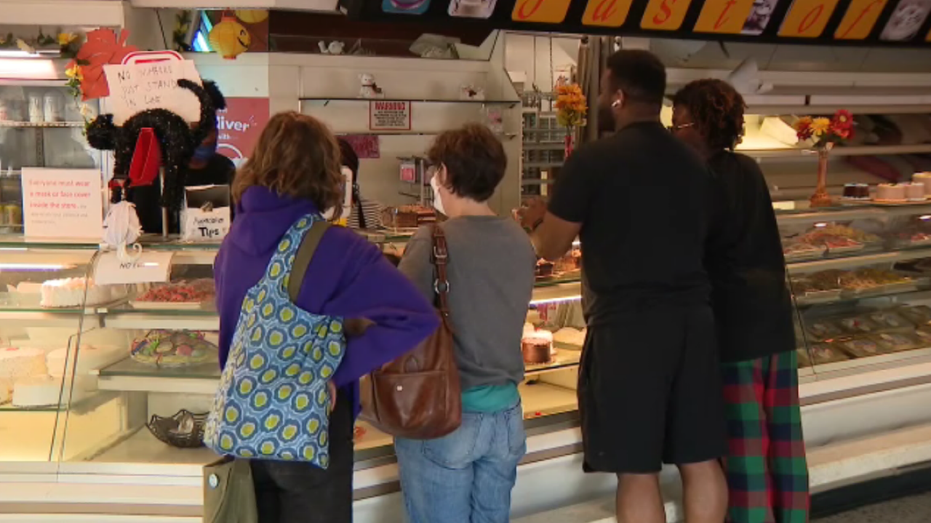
86, 79
824, 132
67, 44
571, 106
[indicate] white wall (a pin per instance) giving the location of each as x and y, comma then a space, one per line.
523, 60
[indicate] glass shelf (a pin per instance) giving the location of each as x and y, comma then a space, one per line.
326, 101
129, 367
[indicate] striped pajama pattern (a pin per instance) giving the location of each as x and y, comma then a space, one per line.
767, 472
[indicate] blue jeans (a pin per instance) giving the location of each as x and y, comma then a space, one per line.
466, 476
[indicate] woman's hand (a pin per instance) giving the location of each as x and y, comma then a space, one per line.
332, 388
356, 327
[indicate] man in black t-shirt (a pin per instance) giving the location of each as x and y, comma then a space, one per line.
649, 384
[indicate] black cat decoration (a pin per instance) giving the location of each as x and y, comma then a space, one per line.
175, 136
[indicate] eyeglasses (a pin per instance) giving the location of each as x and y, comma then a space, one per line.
675, 128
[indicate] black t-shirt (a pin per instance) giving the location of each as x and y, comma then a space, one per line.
643, 199
218, 171
752, 305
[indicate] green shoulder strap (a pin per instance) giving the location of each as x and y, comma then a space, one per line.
304, 254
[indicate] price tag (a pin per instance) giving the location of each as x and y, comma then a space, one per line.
150, 267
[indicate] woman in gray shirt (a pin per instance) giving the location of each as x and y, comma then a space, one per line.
468, 475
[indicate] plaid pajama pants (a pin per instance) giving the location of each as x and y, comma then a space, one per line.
767, 472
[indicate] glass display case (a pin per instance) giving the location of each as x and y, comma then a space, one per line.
105, 374
40, 126
861, 281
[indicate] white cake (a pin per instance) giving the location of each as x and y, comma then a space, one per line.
570, 336
69, 292
924, 179
890, 192
17, 363
90, 358
915, 191
45, 391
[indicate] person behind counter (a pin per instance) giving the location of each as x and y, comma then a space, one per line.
468, 475
753, 311
365, 214
649, 381
294, 173
206, 167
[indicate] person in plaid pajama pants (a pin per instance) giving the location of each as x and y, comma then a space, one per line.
766, 468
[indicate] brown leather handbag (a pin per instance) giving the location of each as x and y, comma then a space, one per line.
418, 396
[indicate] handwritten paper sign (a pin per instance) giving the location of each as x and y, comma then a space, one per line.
137, 87
63, 203
149, 267
390, 116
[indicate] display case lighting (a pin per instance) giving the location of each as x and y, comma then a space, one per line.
26, 69
556, 300
34, 266
925, 217
820, 225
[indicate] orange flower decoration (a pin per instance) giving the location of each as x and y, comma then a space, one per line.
103, 47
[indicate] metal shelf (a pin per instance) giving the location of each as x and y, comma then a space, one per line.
326, 101
866, 150
850, 262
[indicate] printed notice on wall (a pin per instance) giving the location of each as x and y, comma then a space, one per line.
136, 88
62, 203
389, 116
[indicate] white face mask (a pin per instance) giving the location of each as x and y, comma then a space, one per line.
347, 197
437, 201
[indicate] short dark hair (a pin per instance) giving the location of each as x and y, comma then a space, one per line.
717, 111
639, 74
474, 159
348, 156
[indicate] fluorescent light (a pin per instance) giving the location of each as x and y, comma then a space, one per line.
556, 300
31, 69
925, 217
34, 266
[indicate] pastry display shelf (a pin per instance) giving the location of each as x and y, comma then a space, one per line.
854, 261
128, 375
877, 362
917, 288
45, 317
326, 101
866, 150
557, 291
39, 125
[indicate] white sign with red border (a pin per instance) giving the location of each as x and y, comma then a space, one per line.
386, 115
147, 57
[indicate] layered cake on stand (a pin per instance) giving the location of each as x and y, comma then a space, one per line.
537, 347
46, 391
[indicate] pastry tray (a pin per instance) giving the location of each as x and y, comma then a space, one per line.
816, 297
804, 255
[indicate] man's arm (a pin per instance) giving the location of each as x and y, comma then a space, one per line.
554, 236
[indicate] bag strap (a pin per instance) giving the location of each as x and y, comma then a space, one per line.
440, 259
304, 254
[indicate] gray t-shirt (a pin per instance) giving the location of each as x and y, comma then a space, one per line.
491, 279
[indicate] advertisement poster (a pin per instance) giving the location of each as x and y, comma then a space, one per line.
906, 20
239, 127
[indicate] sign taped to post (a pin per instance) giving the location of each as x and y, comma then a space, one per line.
138, 87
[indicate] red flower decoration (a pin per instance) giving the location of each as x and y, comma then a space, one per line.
103, 47
842, 120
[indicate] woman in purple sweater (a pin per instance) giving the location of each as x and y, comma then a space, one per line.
295, 171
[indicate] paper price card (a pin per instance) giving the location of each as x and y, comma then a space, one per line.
606, 13
136, 88
723, 16
541, 11
859, 19
807, 18
149, 267
63, 203
664, 15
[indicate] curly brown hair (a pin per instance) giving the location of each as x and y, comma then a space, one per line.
474, 158
717, 111
296, 156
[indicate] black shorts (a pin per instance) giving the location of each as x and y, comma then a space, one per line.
650, 391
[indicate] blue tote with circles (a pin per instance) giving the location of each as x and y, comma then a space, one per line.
273, 399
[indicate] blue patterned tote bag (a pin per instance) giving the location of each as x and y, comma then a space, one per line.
273, 400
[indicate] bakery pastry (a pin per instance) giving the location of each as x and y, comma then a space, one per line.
197, 291
895, 341
164, 348
858, 325
537, 347
544, 269
915, 192
859, 347
70, 292
824, 329
821, 353
46, 391
890, 192
918, 314
925, 180
408, 216
18, 363
889, 320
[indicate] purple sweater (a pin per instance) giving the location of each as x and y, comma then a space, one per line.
347, 277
